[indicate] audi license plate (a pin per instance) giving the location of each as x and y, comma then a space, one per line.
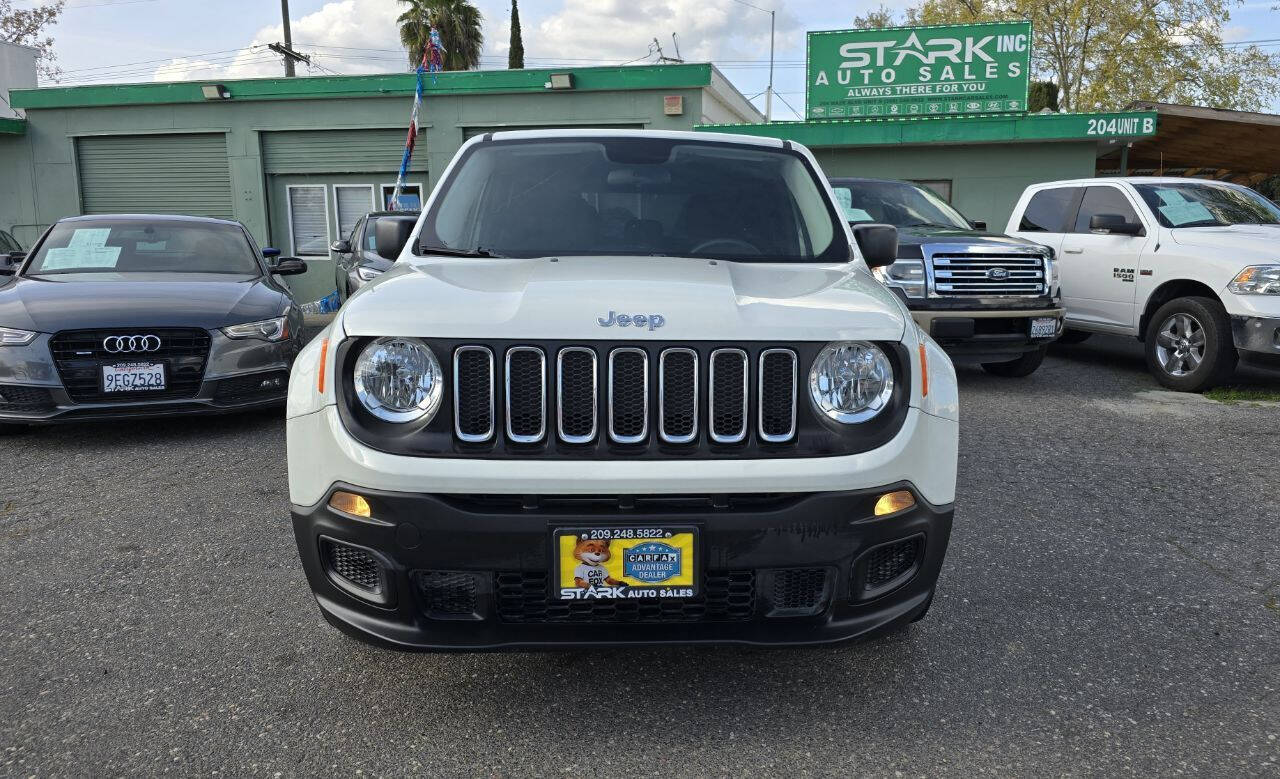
1044, 327
133, 377
624, 563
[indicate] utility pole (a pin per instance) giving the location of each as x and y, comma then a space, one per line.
768, 95
288, 39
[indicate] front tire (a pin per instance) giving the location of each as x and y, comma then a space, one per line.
1019, 368
1189, 346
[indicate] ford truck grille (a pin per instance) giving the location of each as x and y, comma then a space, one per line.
959, 273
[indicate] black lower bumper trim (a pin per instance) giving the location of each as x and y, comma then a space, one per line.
782, 570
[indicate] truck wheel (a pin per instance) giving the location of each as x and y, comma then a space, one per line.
1073, 337
1189, 346
1016, 369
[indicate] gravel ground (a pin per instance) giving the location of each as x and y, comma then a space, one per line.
1109, 605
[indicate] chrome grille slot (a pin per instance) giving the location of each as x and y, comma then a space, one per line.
628, 395
473, 393
526, 372
978, 274
576, 385
777, 403
678, 395
727, 402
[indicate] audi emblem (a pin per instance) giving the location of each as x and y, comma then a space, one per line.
126, 344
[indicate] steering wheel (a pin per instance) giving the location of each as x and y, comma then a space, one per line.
732, 246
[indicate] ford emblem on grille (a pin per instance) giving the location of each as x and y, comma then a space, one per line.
651, 321
996, 274
124, 344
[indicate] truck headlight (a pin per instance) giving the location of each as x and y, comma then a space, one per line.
906, 275
399, 380
1257, 280
365, 273
851, 381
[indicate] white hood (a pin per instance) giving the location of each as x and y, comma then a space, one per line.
1263, 239
698, 300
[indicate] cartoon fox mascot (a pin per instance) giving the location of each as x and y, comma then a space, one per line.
591, 554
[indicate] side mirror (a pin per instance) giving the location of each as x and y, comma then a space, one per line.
341, 247
269, 253
390, 236
978, 225
289, 266
9, 262
1114, 224
878, 244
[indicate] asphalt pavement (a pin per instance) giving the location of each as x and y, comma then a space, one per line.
1109, 605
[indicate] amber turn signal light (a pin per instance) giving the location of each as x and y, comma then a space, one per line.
893, 502
356, 505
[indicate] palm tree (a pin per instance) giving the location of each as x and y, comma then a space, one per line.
457, 21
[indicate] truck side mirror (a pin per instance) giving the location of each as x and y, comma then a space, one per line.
9, 262
341, 247
1114, 224
978, 225
390, 236
878, 243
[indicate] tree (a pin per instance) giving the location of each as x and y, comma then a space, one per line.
876, 19
26, 25
1105, 54
457, 21
515, 55
1042, 95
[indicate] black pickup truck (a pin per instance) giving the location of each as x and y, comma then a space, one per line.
985, 297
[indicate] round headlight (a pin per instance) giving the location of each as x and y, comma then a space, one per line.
399, 380
851, 381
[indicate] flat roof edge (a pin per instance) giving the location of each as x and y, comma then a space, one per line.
9, 126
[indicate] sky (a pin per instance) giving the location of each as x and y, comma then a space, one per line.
100, 41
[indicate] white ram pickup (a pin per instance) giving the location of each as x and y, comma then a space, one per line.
1190, 267
623, 388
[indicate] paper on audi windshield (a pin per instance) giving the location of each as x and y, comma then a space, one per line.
86, 249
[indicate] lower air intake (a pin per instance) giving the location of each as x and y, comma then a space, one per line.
447, 594
889, 565
798, 592
355, 570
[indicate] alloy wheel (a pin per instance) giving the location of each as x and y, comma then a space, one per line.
1180, 344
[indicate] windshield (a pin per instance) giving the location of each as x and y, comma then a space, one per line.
1205, 205
140, 246
897, 203
635, 196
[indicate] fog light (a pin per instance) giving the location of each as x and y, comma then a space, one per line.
893, 502
356, 505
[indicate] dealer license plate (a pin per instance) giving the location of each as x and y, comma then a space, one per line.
133, 377
624, 563
1044, 327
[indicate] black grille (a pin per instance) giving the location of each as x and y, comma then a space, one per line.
628, 395
728, 395
473, 398
777, 395
799, 591
80, 355
727, 596
256, 386
886, 564
355, 566
18, 398
577, 399
679, 390
526, 394
447, 593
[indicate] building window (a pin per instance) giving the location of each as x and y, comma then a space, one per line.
410, 197
940, 187
353, 202
309, 219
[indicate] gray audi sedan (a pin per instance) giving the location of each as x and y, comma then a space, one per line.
144, 315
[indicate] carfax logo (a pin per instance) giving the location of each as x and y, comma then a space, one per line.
653, 562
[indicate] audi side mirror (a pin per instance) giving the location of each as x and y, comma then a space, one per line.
878, 244
390, 236
341, 247
1114, 224
289, 266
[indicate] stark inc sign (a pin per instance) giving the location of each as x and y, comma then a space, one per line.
918, 71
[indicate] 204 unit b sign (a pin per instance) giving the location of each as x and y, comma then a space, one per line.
919, 71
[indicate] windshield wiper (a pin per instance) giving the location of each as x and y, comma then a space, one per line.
451, 252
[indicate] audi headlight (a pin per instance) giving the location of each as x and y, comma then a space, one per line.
365, 273
851, 381
11, 336
399, 380
1257, 280
268, 329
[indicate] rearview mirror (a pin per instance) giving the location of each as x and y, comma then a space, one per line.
878, 244
1114, 224
390, 236
341, 247
289, 266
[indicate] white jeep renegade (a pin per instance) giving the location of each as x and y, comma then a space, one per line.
623, 388
1191, 267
